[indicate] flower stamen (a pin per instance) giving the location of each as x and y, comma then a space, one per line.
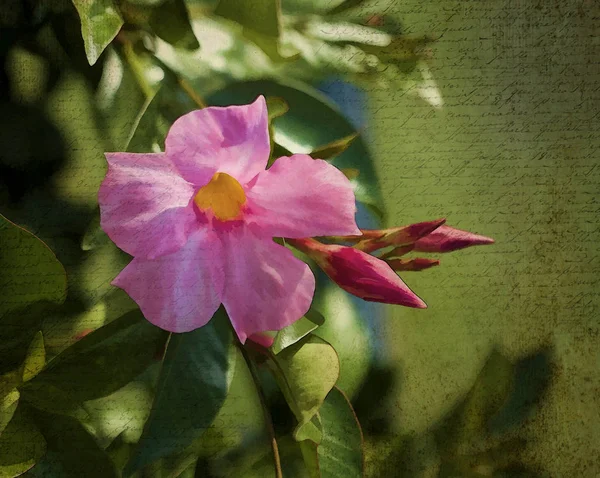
224, 195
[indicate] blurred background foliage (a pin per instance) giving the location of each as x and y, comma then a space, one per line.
456, 391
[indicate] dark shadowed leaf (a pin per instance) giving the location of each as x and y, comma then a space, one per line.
100, 23
21, 445
30, 270
73, 447
171, 22
469, 421
191, 389
106, 359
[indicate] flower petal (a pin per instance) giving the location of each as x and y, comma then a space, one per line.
232, 139
181, 291
448, 239
267, 287
302, 197
145, 204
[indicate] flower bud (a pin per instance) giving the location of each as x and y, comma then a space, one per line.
448, 239
397, 236
359, 273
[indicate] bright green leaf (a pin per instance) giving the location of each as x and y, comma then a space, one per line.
312, 121
333, 149
100, 23
8, 405
35, 358
30, 270
191, 389
21, 445
296, 331
106, 359
171, 21
74, 448
340, 452
306, 372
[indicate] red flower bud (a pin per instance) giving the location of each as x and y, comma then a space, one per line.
447, 239
397, 236
359, 273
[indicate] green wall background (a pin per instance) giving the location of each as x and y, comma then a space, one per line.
512, 154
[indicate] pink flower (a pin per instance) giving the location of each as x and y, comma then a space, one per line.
200, 219
359, 273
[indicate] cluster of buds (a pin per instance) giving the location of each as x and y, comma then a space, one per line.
374, 277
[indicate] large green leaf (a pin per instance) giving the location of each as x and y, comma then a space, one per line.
75, 450
306, 372
340, 452
100, 23
171, 22
311, 122
21, 445
30, 270
191, 389
104, 360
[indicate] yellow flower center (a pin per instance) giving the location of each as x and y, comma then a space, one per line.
223, 195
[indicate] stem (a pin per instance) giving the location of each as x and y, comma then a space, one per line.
134, 64
268, 419
195, 97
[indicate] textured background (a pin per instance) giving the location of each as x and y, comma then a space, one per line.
513, 154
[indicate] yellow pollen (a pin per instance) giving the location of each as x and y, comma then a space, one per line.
223, 195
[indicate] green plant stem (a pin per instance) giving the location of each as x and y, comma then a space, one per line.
195, 97
134, 64
267, 414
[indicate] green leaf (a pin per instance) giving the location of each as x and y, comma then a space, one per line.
74, 448
296, 331
100, 23
106, 359
340, 452
276, 107
35, 358
306, 372
49, 398
30, 270
312, 121
261, 16
21, 445
192, 386
260, 22
171, 22
8, 405
335, 148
